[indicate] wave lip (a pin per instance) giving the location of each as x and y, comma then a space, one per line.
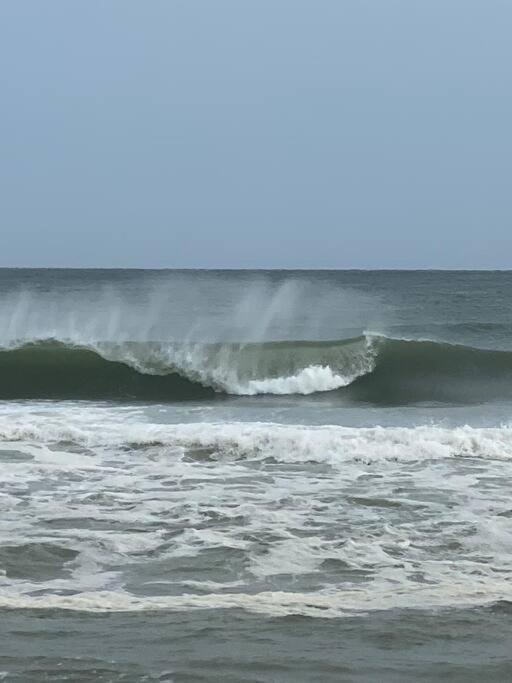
158, 371
366, 369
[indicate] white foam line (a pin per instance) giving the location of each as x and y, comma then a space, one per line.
331, 604
286, 443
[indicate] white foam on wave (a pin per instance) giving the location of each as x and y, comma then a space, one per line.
249, 370
324, 604
310, 380
101, 427
238, 369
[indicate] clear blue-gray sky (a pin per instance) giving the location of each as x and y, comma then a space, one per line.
256, 133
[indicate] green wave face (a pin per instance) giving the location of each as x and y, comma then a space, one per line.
421, 371
364, 369
60, 372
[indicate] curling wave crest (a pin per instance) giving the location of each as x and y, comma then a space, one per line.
369, 368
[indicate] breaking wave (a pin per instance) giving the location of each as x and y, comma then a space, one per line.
368, 368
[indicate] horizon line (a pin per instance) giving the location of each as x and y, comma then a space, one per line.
268, 269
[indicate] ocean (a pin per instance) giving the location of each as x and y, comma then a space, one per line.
255, 476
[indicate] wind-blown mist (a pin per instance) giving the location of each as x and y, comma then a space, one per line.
184, 308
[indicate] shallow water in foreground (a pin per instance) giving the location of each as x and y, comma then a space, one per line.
229, 646
195, 518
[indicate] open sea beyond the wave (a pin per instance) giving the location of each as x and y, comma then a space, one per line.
255, 475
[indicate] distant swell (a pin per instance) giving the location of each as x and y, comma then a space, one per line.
370, 369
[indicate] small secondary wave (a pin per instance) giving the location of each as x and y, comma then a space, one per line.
327, 444
369, 368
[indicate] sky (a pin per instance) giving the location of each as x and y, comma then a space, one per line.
256, 133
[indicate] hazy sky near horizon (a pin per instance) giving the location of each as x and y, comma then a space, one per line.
256, 133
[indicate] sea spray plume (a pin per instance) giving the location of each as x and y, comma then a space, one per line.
267, 312
296, 310
169, 309
32, 316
